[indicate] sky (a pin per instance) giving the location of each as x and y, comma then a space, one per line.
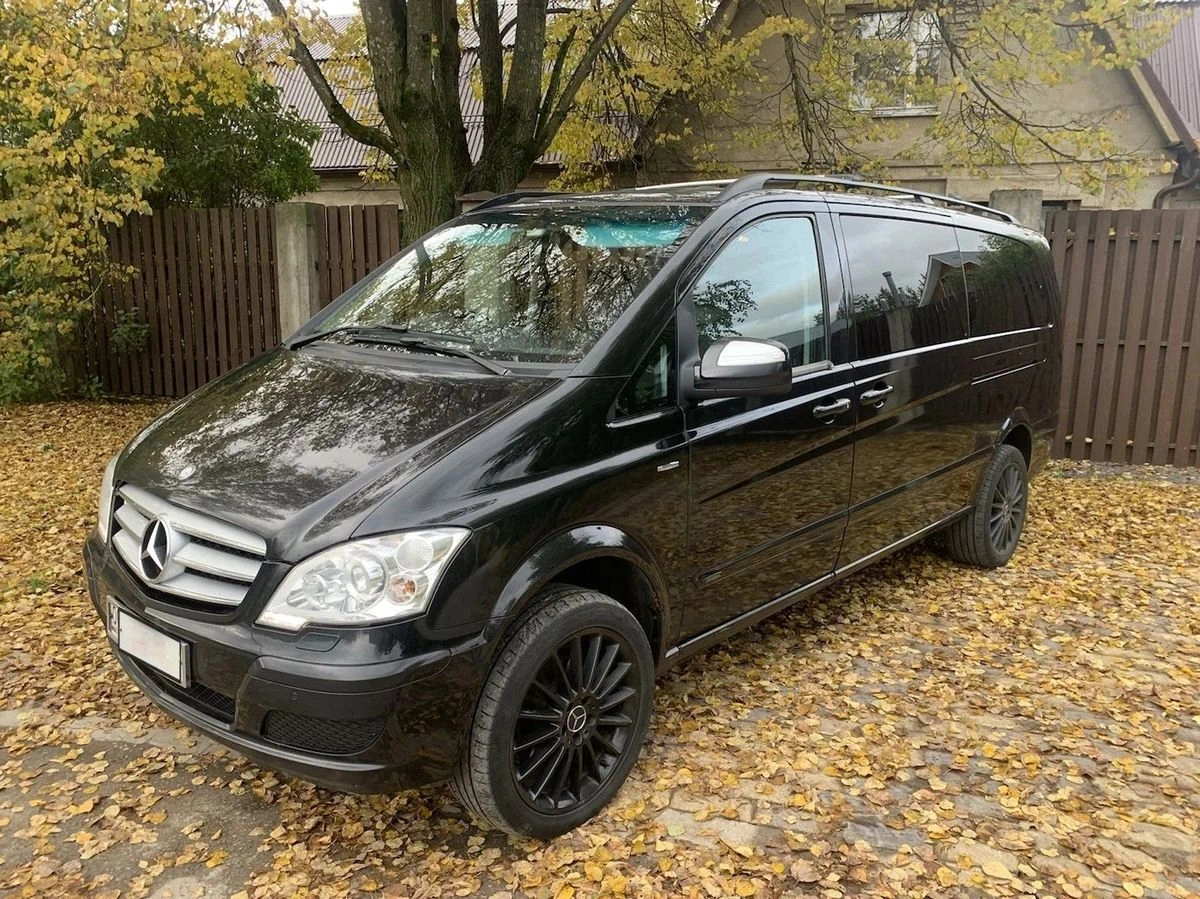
338, 7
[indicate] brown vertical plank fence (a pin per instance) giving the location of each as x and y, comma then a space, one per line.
203, 283
351, 242
1131, 335
205, 286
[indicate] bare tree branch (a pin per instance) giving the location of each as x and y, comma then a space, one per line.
549, 126
338, 114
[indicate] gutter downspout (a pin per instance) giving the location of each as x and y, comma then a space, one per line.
1162, 195
1187, 156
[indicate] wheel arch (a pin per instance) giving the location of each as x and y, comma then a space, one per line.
1017, 431
598, 557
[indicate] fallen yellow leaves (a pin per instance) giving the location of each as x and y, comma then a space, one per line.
921, 729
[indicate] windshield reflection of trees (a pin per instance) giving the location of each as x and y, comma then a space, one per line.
539, 288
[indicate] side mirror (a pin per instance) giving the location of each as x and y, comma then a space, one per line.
744, 366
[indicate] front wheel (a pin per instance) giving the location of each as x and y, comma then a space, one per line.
562, 716
988, 535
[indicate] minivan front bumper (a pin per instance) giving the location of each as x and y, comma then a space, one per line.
335, 715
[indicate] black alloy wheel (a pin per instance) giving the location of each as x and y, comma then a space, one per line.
988, 534
561, 717
575, 721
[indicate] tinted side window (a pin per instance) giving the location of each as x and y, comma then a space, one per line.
1006, 286
653, 385
766, 283
906, 283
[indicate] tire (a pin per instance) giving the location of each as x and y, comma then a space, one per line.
988, 535
561, 718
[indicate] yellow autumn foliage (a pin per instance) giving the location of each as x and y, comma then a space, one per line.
75, 80
692, 85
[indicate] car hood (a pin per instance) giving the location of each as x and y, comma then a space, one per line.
299, 446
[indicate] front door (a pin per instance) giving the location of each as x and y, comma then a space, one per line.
770, 475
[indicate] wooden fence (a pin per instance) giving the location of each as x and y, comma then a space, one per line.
351, 241
204, 283
1131, 335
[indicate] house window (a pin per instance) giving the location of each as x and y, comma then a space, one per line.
896, 61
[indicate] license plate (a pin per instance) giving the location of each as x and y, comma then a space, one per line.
158, 650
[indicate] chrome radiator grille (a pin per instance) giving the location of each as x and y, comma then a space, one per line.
196, 557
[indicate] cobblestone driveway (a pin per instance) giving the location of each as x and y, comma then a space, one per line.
919, 730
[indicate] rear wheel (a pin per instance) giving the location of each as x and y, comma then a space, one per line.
562, 716
988, 535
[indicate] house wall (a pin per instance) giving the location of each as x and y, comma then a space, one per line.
348, 189
1092, 92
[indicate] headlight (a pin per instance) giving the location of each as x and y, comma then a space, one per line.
364, 581
106, 499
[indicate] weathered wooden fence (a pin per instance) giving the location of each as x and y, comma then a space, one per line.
204, 283
351, 241
1131, 334
207, 287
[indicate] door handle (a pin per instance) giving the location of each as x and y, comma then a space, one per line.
876, 397
837, 407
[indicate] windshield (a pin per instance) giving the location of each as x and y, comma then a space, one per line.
537, 285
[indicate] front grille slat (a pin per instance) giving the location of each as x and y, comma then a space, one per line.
213, 562
131, 520
199, 557
194, 523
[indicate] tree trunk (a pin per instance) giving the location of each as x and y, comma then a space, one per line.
430, 186
429, 200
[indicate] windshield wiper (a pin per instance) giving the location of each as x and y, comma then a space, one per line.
400, 335
363, 330
420, 343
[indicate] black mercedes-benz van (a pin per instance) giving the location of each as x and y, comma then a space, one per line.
454, 527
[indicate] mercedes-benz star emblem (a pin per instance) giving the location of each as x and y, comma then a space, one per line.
156, 549
576, 719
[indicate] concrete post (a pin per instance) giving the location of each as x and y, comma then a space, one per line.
296, 265
1023, 205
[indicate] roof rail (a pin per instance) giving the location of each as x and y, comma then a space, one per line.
764, 180
512, 197
685, 184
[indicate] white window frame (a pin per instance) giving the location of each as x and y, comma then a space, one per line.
923, 36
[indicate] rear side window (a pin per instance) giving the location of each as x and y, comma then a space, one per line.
766, 283
906, 284
1007, 287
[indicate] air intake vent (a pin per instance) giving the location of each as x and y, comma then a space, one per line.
320, 734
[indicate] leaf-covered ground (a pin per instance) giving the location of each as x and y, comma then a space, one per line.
919, 730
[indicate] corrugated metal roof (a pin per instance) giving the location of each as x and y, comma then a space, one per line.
333, 151
1177, 66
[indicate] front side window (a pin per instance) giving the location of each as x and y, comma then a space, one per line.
535, 285
896, 58
766, 283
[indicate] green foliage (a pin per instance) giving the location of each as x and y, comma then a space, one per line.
249, 153
129, 334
